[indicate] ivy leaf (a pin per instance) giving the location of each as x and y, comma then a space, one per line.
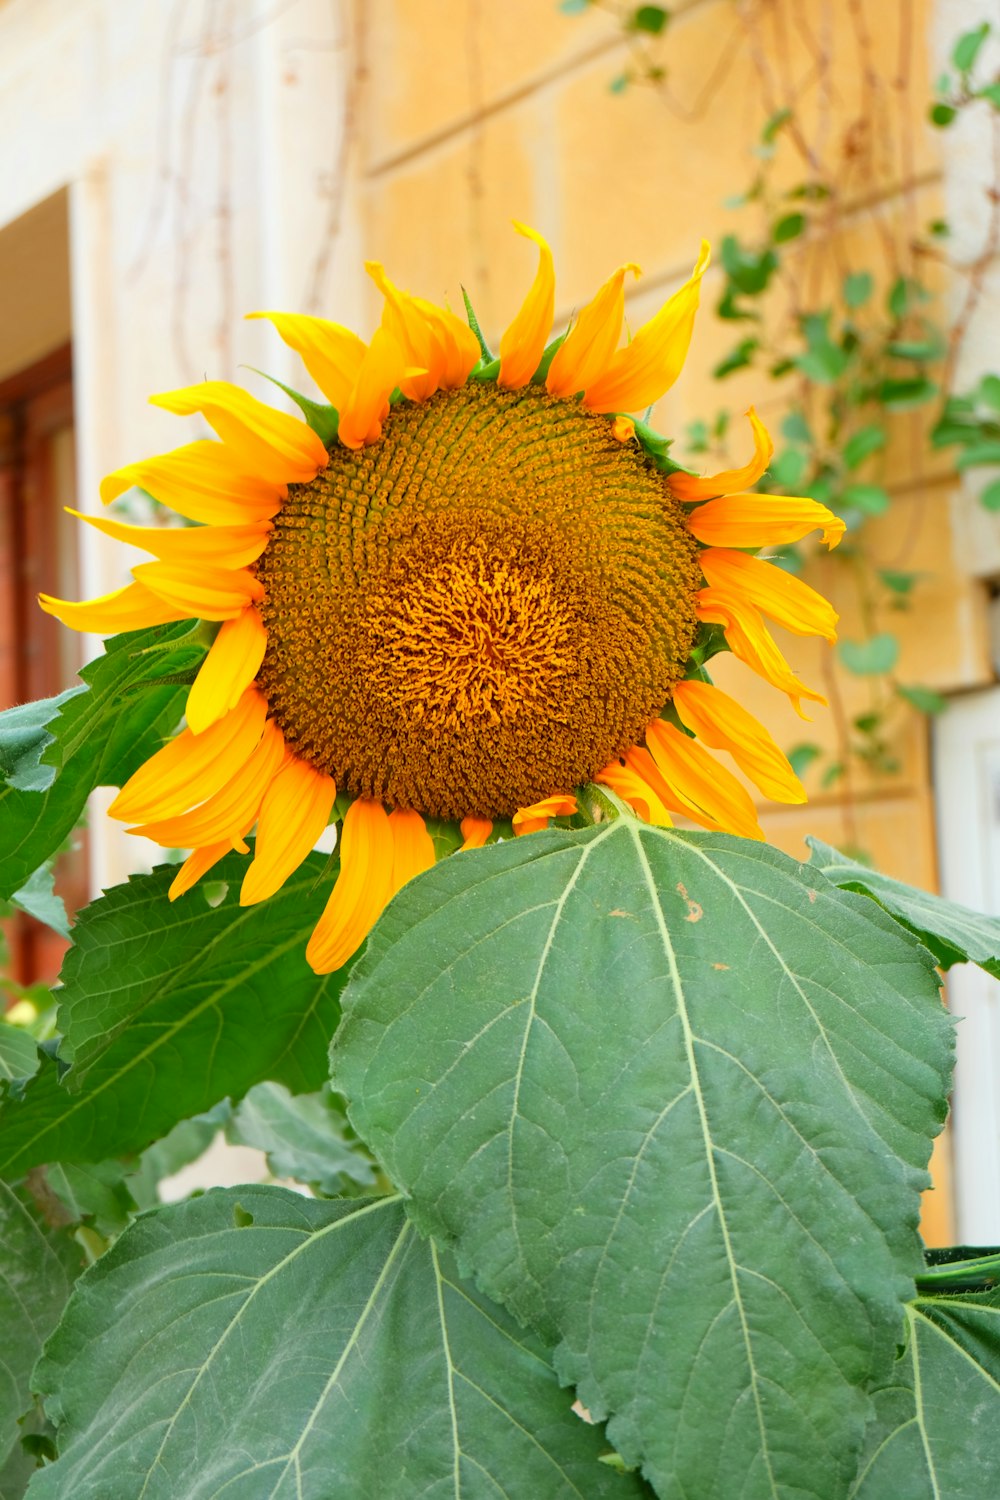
34, 1285
923, 698
966, 49
167, 1007
990, 496
870, 499
671, 1099
872, 657
303, 1136
95, 735
858, 287
862, 444
992, 93
267, 1345
953, 933
979, 453
904, 395
936, 1435
789, 227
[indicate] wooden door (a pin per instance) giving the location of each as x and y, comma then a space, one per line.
38, 553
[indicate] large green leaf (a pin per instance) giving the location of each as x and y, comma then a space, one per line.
936, 1435
167, 1007
18, 1056
671, 1096
34, 1286
268, 1346
953, 933
54, 752
305, 1138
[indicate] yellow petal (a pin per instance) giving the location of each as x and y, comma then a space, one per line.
206, 593
230, 810
706, 791
431, 338
130, 608
332, 354
295, 810
201, 481
227, 671
724, 724
475, 832
729, 481
199, 862
193, 767
523, 344
762, 521
625, 778
368, 405
531, 819
412, 846
266, 442
639, 374
363, 887
588, 348
774, 592
749, 638
223, 546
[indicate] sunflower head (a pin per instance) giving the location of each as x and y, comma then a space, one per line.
490, 587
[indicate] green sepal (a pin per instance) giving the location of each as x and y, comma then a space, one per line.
655, 447
548, 355
488, 371
710, 640
474, 325
323, 419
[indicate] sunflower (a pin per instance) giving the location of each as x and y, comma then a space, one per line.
449, 599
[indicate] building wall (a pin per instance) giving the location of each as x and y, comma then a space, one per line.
220, 156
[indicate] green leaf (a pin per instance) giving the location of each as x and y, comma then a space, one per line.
736, 359
858, 287
904, 395
923, 698
978, 454
966, 49
870, 658
941, 114
94, 736
789, 468
936, 1435
898, 583
749, 270
38, 898
801, 757
953, 933
988, 392
168, 1006
789, 227
671, 1100
574, 7
18, 1056
34, 1286
773, 125
303, 1136
323, 1349
870, 499
649, 18
992, 93
796, 429
990, 496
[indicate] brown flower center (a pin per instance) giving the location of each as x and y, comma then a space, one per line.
480, 610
